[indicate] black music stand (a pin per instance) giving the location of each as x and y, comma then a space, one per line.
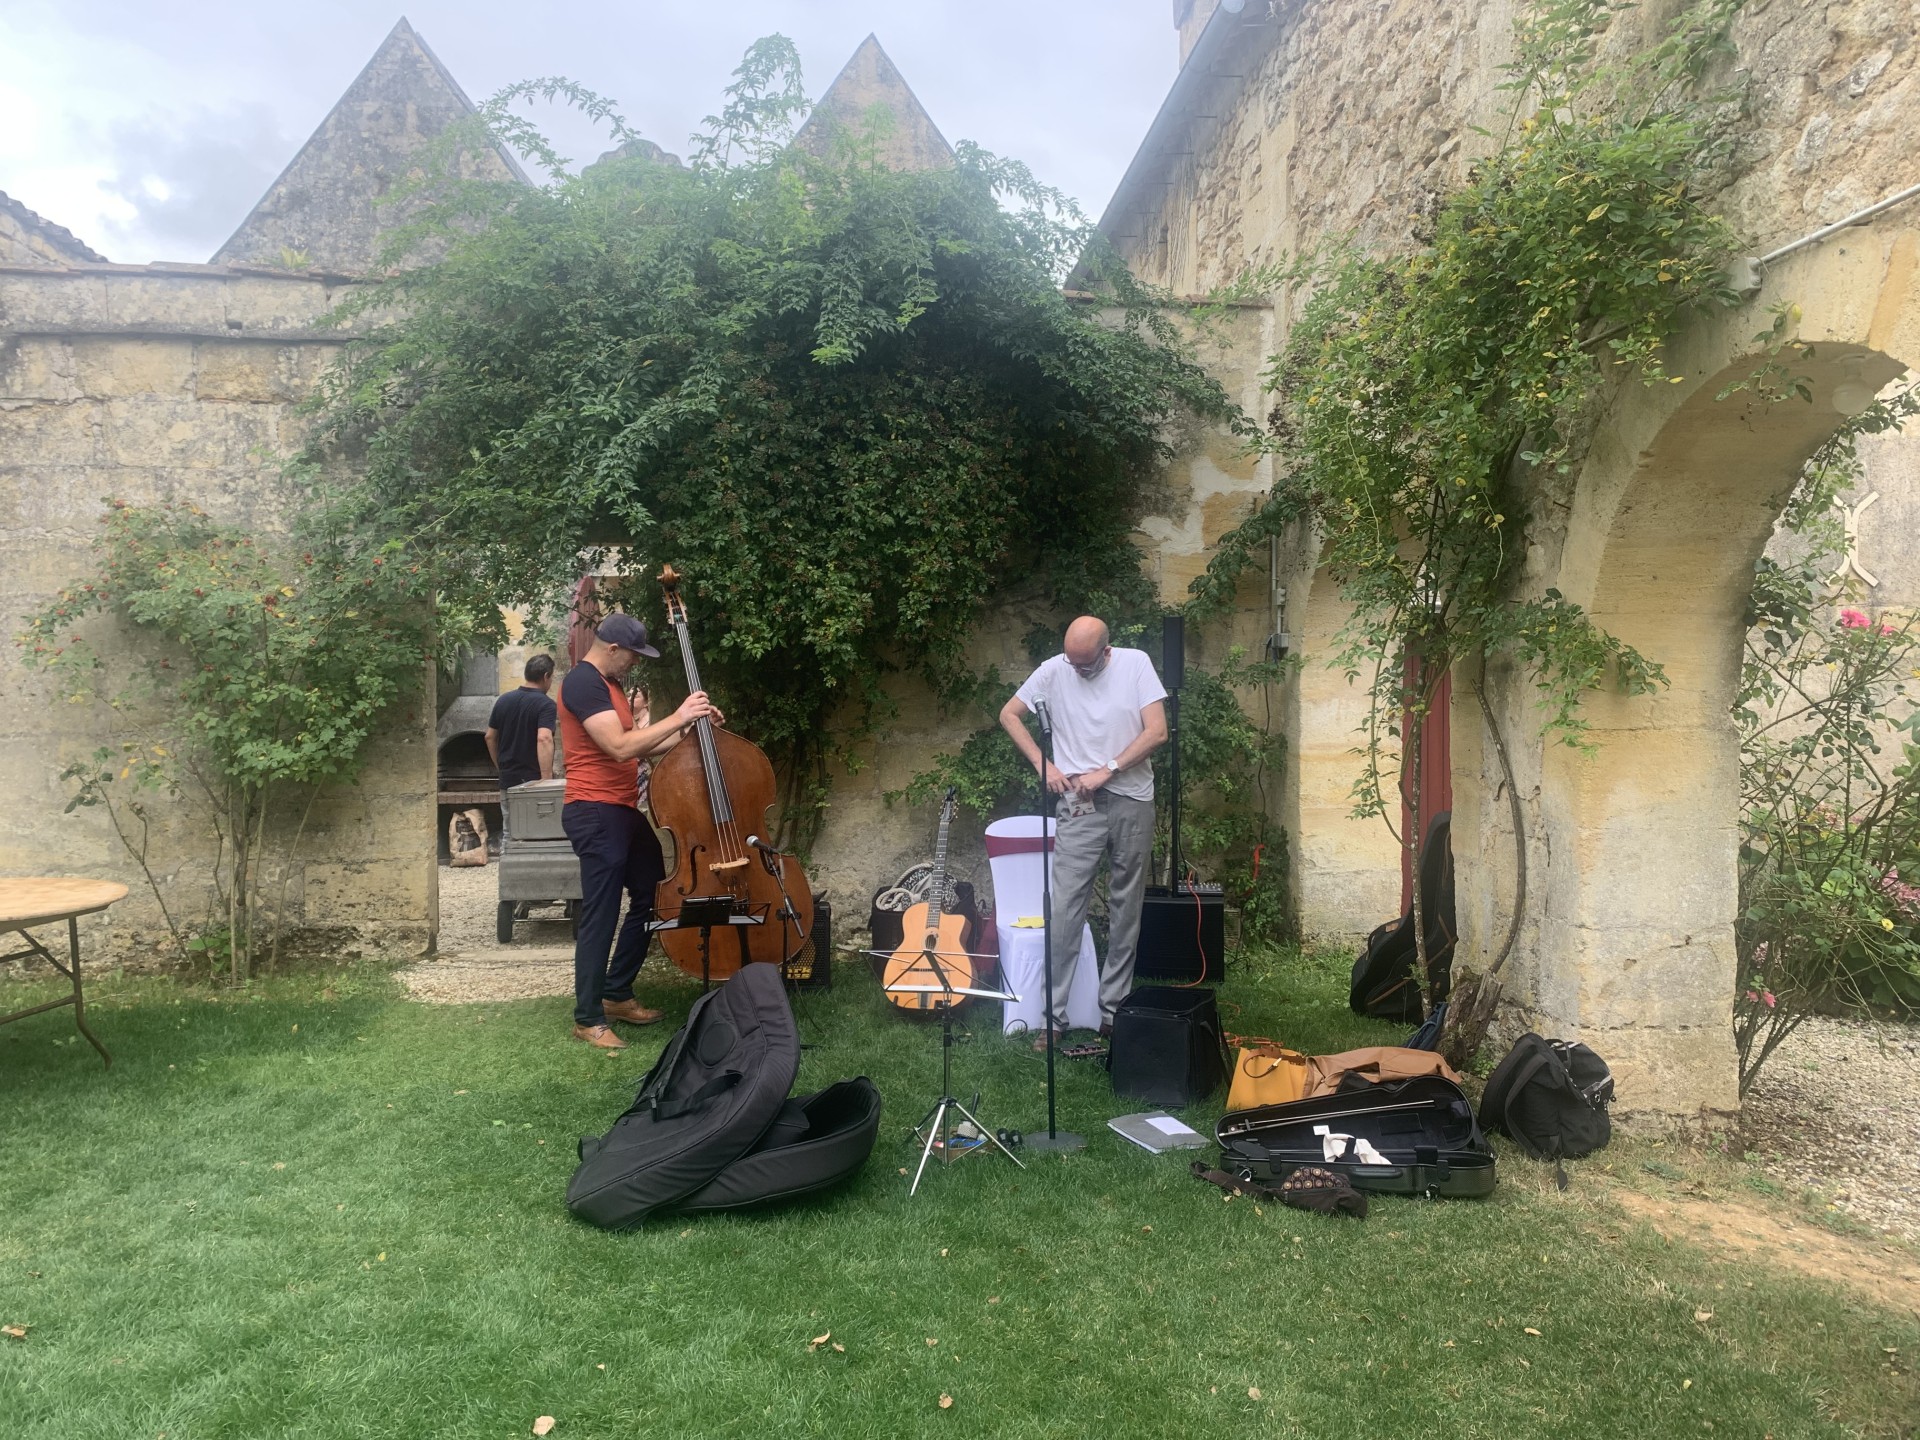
934, 1124
1055, 1138
707, 913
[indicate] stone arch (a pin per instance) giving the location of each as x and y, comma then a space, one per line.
1627, 940
1346, 872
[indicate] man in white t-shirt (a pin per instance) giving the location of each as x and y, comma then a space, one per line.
1108, 712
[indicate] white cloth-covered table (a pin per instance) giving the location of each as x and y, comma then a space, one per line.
1014, 851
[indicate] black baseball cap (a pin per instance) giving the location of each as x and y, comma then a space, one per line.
628, 633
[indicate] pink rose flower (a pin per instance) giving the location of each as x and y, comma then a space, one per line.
1853, 620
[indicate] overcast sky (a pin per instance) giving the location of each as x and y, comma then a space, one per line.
150, 130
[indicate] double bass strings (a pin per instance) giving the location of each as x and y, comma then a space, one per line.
733, 850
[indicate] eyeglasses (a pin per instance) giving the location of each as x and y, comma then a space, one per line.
1093, 667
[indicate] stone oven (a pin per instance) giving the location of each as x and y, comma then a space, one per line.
468, 777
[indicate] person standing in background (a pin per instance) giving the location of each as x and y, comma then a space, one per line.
520, 731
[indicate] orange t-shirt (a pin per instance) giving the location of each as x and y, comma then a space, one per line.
592, 774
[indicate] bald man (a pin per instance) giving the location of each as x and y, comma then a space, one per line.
1109, 714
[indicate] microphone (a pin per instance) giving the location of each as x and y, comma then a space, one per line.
1040, 710
772, 859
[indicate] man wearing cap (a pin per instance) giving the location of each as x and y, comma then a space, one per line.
602, 817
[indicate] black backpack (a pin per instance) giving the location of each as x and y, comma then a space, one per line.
1551, 1096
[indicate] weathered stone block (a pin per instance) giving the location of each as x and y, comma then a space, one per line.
257, 374
122, 366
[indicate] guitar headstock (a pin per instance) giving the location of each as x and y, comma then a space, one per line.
670, 587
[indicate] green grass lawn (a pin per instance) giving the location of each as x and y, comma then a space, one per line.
317, 1209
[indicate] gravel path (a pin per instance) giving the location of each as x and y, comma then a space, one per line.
1837, 1110
471, 965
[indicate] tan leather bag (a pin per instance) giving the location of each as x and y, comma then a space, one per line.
1375, 1063
1265, 1073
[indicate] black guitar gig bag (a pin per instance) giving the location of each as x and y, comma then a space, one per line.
712, 1096
817, 1141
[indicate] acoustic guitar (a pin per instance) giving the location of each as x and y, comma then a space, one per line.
927, 928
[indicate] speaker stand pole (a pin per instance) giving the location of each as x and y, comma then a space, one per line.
1055, 1139
1173, 792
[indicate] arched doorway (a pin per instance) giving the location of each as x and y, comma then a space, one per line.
1627, 940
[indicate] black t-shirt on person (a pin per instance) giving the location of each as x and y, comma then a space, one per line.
518, 718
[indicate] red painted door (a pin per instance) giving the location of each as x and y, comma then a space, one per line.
1436, 777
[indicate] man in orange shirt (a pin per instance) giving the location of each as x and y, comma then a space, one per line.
617, 847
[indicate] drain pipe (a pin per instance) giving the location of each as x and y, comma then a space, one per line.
1834, 229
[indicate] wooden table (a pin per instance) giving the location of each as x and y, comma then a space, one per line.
28, 902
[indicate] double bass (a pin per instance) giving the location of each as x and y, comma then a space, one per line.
712, 796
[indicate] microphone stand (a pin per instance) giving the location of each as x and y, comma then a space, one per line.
776, 865
1055, 1138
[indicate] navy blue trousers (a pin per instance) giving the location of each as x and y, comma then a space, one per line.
618, 851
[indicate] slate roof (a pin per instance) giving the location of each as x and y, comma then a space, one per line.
30, 238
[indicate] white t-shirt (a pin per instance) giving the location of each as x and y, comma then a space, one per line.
1094, 720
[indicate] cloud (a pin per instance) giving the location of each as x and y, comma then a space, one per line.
177, 183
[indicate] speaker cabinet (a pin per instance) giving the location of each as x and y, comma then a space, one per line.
811, 968
1167, 1047
1173, 652
1183, 935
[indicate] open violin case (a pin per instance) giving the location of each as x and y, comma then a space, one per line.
1423, 1128
712, 1127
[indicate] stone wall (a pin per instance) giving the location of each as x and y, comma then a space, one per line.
175, 383
1286, 130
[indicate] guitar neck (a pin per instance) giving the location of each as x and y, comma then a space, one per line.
937, 894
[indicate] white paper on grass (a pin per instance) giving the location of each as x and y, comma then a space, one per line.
1167, 1125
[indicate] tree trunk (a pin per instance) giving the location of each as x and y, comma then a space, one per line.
1412, 753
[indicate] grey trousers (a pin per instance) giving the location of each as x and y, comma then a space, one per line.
1121, 829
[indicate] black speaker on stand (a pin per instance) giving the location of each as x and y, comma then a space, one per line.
1182, 924
1173, 666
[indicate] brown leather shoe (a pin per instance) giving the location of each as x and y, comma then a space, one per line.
599, 1036
631, 1012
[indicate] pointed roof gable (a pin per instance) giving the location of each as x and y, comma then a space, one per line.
870, 78
323, 205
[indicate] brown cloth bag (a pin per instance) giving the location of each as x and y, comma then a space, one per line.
1375, 1063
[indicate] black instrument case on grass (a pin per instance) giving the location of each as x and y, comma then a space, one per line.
816, 1142
1424, 1127
711, 1097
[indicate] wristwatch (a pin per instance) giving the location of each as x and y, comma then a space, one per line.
1114, 766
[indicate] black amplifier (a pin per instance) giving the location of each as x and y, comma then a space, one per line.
1183, 934
812, 967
